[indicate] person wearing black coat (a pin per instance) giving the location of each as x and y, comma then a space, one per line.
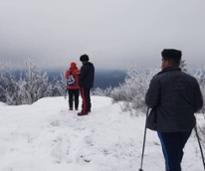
173, 97
86, 81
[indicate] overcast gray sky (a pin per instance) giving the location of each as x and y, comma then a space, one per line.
114, 33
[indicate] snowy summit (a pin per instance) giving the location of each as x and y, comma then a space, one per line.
46, 136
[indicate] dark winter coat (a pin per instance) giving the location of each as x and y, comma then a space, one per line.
174, 97
87, 73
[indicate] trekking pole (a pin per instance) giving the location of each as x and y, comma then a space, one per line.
144, 141
65, 94
200, 147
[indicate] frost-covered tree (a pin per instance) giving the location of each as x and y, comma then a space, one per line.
102, 92
30, 85
33, 85
200, 75
8, 88
58, 86
183, 66
132, 91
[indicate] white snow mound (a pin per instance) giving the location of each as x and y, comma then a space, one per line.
46, 136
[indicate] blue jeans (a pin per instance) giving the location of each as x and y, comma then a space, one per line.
172, 147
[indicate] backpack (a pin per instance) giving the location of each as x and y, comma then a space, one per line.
71, 80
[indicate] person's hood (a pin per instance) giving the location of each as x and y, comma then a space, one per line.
73, 66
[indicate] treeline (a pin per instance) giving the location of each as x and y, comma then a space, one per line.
26, 87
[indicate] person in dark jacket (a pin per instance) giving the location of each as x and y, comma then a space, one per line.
71, 76
86, 81
173, 97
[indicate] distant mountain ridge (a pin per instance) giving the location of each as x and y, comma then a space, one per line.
103, 78
109, 78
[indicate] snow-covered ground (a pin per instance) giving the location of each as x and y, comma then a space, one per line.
46, 136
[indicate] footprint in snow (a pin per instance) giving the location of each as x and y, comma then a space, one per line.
55, 123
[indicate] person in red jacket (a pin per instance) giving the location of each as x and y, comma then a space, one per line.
72, 77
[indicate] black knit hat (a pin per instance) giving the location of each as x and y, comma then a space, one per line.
84, 58
172, 54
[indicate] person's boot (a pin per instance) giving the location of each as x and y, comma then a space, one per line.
82, 113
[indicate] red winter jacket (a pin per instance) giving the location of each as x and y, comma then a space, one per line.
75, 72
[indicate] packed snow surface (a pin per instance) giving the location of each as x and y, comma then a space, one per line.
46, 136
